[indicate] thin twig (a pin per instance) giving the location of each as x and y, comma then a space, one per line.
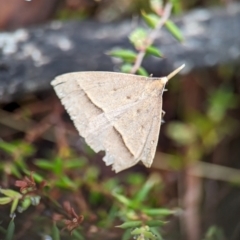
191, 204
200, 169
8, 119
152, 36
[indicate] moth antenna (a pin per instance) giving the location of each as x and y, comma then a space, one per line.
176, 71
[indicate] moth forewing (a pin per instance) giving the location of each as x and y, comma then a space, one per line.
115, 112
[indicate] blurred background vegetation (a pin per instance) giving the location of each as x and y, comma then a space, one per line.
20, 13
193, 189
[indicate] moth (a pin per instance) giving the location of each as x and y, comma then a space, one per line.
114, 112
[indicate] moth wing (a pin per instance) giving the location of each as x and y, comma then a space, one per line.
110, 91
109, 109
137, 129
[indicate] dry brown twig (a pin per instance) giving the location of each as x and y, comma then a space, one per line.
70, 218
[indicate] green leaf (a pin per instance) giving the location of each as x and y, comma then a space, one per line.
130, 224
126, 68
44, 164
10, 230
7, 147
156, 5
155, 223
17, 147
10, 193
151, 19
27, 149
124, 54
58, 165
214, 232
154, 51
158, 212
125, 201
77, 235
138, 37
177, 6
91, 174
142, 71
182, 133
55, 232
66, 182
5, 200
156, 232
146, 188
24, 204
110, 184
95, 198
15, 172
38, 178
76, 163
220, 101
174, 30
14, 205
127, 234
135, 179
140, 230
20, 162
145, 232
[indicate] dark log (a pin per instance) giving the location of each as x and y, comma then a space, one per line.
30, 58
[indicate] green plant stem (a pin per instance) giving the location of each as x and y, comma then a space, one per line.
152, 36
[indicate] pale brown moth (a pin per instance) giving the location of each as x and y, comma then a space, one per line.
117, 113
